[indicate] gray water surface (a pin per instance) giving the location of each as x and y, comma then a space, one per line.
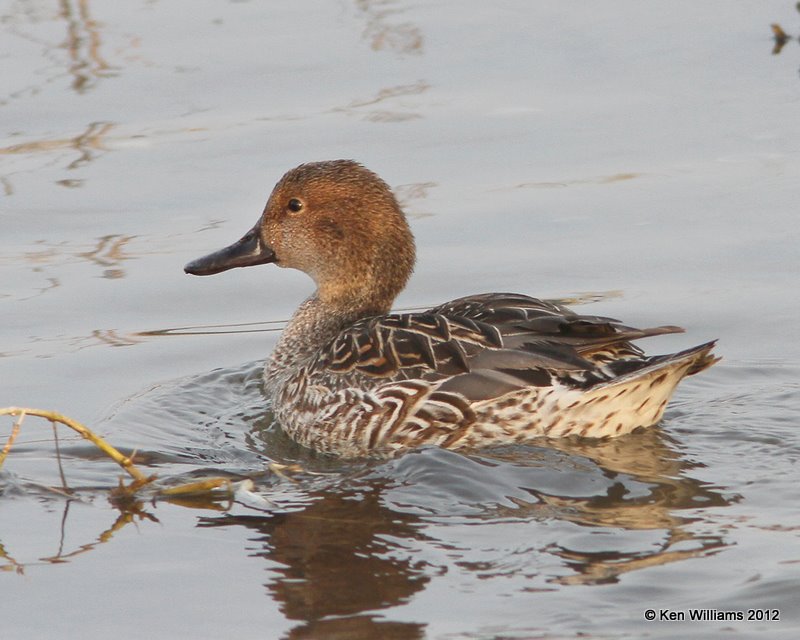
642, 158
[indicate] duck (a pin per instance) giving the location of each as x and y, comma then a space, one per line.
350, 378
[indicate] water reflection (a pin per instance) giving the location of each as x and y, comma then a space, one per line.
336, 559
651, 458
86, 62
780, 37
65, 552
392, 94
360, 539
385, 33
82, 45
408, 194
109, 252
356, 550
78, 56
89, 145
609, 179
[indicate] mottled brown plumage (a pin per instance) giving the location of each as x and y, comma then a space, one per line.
350, 378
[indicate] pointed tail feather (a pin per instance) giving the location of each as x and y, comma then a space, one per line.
692, 360
704, 358
700, 357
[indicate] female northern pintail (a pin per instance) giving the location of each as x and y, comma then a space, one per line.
350, 378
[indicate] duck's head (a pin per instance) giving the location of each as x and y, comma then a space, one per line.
339, 223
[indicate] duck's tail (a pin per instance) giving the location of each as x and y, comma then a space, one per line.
642, 395
686, 362
634, 399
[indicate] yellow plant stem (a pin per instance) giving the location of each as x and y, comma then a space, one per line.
11, 438
125, 462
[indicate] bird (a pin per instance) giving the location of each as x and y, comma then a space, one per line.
350, 378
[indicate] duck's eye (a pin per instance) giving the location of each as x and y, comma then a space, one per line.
295, 205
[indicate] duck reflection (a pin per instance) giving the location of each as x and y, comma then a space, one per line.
666, 492
350, 553
335, 561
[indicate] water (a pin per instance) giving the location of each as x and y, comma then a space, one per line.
640, 157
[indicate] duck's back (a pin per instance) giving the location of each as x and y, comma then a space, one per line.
482, 369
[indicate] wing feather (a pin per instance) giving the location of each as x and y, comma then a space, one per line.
483, 346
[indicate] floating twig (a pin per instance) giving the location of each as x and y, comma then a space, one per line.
124, 495
123, 461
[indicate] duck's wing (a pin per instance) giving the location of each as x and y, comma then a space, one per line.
523, 320
485, 346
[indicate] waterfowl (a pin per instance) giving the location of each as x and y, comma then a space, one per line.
350, 378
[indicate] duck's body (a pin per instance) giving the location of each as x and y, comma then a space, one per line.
349, 378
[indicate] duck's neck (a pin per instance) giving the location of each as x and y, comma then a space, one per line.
315, 323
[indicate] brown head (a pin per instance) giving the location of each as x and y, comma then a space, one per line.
338, 222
